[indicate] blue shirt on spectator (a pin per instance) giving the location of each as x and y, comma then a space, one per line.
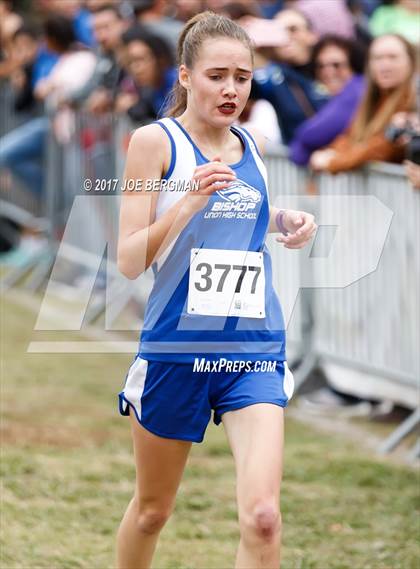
43, 64
294, 97
82, 25
270, 9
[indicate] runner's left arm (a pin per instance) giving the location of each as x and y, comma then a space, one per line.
299, 226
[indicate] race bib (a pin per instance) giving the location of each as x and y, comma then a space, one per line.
226, 283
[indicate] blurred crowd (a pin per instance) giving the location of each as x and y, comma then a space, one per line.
335, 80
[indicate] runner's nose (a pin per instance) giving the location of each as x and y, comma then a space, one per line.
229, 89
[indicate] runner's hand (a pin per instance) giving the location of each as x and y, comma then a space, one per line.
212, 176
301, 227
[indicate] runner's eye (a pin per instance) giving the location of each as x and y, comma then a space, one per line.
242, 79
215, 77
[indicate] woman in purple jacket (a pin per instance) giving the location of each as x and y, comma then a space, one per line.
338, 66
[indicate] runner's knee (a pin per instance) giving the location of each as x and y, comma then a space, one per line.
152, 519
261, 524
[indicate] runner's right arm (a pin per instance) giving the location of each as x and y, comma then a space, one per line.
142, 237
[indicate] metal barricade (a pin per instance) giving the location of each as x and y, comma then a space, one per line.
9, 119
373, 324
369, 331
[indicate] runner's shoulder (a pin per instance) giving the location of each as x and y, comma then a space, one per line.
151, 144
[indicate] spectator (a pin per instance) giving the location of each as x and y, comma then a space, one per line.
219, 6
398, 17
260, 113
151, 66
336, 60
152, 15
339, 66
100, 91
95, 5
216, 5
297, 50
237, 10
73, 68
326, 21
82, 29
125, 7
22, 150
294, 97
81, 22
390, 89
24, 51
77, 13
360, 14
9, 23
270, 7
186, 9
367, 6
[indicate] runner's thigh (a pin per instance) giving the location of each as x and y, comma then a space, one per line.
255, 435
160, 463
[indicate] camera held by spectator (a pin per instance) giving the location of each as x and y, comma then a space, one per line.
405, 130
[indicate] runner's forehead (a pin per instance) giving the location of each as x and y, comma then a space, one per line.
224, 52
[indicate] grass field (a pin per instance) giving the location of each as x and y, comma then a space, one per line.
68, 474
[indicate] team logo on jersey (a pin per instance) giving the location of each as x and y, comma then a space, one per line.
238, 200
240, 191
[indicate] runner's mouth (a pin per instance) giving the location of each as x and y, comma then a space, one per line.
227, 108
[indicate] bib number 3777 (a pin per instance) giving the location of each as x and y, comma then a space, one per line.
226, 283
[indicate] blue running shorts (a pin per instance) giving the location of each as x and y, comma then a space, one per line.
175, 400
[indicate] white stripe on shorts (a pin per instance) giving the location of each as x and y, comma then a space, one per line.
288, 382
134, 386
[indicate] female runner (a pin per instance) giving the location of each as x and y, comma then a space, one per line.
213, 335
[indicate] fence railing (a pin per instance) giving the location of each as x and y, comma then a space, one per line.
351, 300
373, 322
